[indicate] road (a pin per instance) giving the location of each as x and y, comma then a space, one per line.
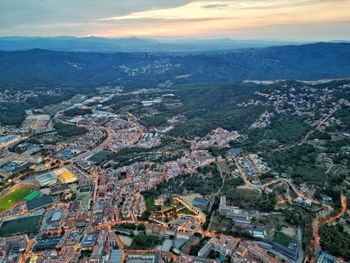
318, 222
215, 195
320, 123
342, 211
247, 183
223, 181
97, 148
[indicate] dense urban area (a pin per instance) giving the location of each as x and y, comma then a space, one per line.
250, 172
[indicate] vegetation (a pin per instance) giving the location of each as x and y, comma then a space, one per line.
12, 114
287, 131
130, 226
196, 183
128, 156
100, 156
251, 199
69, 130
154, 121
143, 241
77, 112
299, 162
335, 241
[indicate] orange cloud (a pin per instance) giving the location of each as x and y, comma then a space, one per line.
211, 18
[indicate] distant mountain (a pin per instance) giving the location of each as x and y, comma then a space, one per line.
81, 69
96, 44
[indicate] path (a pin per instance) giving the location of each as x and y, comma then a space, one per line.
321, 122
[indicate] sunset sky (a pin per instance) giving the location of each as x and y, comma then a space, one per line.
238, 19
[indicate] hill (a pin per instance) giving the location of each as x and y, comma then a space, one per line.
133, 44
80, 69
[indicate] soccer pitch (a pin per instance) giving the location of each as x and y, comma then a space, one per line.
14, 196
282, 239
28, 224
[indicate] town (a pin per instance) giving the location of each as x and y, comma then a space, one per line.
119, 176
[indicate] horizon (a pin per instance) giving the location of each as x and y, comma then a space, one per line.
247, 20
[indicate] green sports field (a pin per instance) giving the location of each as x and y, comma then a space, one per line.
282, 239
29, 224
100, 156
15, 196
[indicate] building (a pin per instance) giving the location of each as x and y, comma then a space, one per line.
46, 179
11, 248
89, 240
116, 256
225, 245
83, 165
191, 259
32, 196
112, 239
201, 203
59, 189
326, 258
66, 176
8, 139
232, 212
40, 202
47, 243
56, 216
246, 252
143, 257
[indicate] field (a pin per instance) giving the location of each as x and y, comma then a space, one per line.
100, 156
36, 122
13, 197
21, 225
282, 239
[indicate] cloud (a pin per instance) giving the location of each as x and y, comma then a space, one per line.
196, 10
215, 6
190, 18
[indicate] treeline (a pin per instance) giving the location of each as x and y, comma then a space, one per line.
154, 121
69, 130
43, 100
77, 112
12, 113
142, 242
298, 162
335, 240
254, 200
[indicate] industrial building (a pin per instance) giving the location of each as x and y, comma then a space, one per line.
200, 203
232, 212
66, 176
46, 179
8, 139
40, 202
56, 216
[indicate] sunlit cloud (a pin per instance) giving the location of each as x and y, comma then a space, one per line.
274, 19
226, 9
217, 18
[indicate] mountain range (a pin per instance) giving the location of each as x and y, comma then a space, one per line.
37, 67
108, 45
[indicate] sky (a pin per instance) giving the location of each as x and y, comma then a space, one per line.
300, 20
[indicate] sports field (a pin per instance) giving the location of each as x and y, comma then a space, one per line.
21, 225
282, 239
100, 156
14, 196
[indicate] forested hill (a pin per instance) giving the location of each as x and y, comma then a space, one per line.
51, 68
